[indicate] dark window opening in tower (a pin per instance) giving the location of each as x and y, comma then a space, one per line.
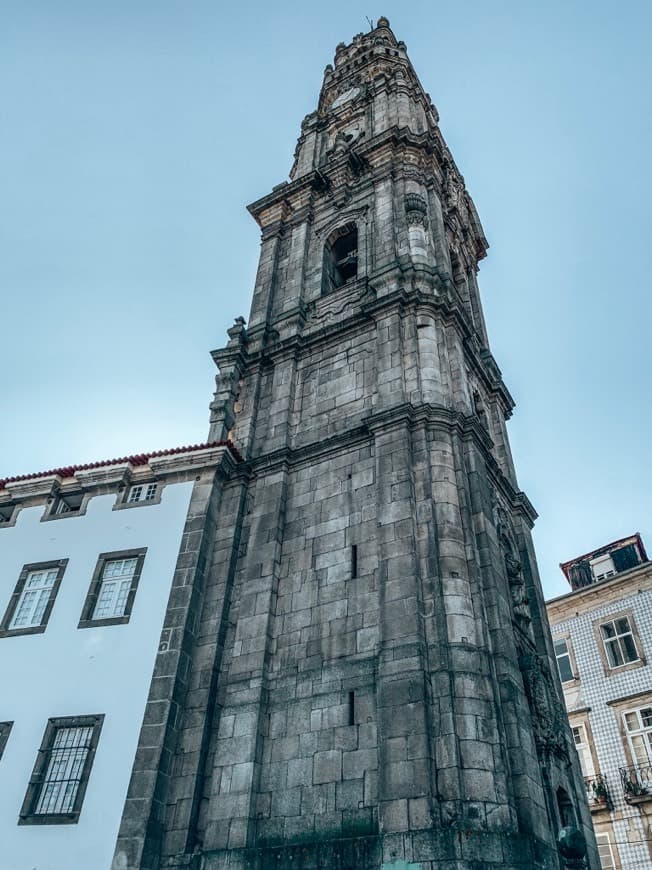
456, 268
565, 807
341, 258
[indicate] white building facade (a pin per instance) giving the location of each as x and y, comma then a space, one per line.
88, 557
602, 634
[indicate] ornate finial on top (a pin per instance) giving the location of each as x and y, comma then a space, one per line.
382, 22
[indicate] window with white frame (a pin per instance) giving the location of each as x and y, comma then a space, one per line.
34, 598
583, 748
638, 725
113, 587
607, 861
141, 492
562, 654
58, 783
618, 640
30, 605
115, 583
602, 567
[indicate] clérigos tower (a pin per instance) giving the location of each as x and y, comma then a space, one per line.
364, 674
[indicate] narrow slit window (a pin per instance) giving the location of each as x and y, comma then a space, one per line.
351, 708
354, 561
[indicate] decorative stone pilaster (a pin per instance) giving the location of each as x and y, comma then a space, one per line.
416, 211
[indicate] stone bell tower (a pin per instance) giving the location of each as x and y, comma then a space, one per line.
365, 677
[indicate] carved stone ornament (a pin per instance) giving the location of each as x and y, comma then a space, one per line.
520, 601
546, 711
455, 195
416, 209
513, 568
237, 333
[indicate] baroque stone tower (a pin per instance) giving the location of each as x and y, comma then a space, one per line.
356, 669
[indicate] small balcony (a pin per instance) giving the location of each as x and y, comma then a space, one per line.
597, 793
637, 783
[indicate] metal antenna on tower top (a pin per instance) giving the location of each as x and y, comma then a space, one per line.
371, 24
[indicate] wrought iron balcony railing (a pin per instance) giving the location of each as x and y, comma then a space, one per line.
597, 792
637, 782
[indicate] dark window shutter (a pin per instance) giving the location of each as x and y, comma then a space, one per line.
580, 575
626, 557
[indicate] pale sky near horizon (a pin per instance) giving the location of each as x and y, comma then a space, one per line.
134, 134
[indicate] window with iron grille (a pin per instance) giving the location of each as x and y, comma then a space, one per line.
58, 783
142, 492
112, 591
31, 603
5, 728
618, 641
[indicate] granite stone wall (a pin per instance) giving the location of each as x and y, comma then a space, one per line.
370, 679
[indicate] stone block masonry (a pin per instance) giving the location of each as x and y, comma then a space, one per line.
368, 678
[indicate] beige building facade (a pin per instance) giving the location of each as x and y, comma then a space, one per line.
602, 634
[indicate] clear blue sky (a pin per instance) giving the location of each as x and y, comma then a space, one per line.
134, 133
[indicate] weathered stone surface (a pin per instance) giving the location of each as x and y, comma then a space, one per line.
359, 686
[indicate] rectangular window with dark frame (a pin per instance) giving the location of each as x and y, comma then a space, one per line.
5, 729
562, 654
31, 603
63, 765
70, 503
6, 513
112, 591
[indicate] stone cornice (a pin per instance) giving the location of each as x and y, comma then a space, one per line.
306, 340
281, 201
109, 477
467, 427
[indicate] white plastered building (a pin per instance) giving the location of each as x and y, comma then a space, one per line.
88, 556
